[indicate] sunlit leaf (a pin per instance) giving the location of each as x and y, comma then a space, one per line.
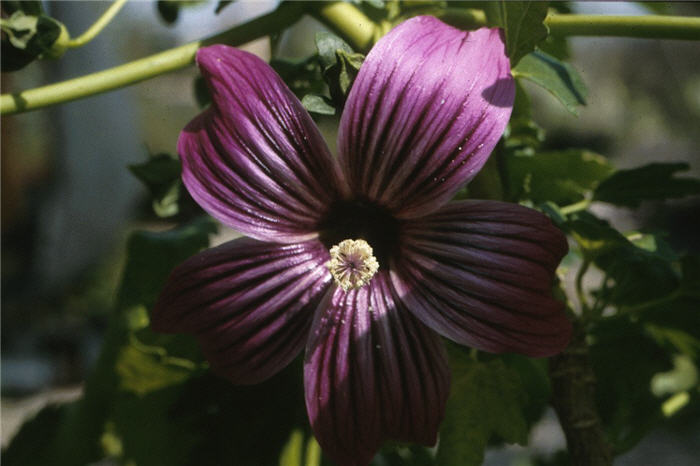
562, 177
340, 65
522, 22
144, 368
558, 78
682, 377
318, 104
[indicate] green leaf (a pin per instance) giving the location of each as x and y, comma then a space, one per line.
145, 368
302, 76
656, 181
690, 272
340, 65
221, 5
624, 360
30, 446
682, 377
161, 175
301, 449
534, 378
486, 400
318, 104
639, 274
558, 78
27, 37
327, 45
152, 255
393, 454
207, 420
562, 177
523, 24
169, 10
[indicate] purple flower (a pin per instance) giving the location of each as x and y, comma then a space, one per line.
361, 259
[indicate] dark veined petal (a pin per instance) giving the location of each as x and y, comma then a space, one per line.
372, 373
427, 107
481, 273
249, 303
255, 160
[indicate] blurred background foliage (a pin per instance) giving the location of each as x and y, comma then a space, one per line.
87, 243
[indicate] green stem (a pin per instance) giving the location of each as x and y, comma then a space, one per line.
98, 26
149, 67
575, 207
580, 293
653, 303
348, 21
645, 27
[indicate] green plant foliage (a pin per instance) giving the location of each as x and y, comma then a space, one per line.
485, 401
207, 421
28, 34
534, 384
161, 175
169, 10
302, 76
682, 377
301, 449
318, 104
625, 359
639, 274
340, 65
153, 255
656, 181
559, 78
221, 5
145, 368
30, 446
522, 22
562, 177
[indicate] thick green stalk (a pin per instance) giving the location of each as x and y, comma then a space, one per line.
346, 20
343, 18
645, 27
149, 67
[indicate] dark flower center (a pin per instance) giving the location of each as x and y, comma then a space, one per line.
360, 219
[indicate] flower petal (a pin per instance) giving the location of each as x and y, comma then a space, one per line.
427, 108
372, 373
255, 160
481, 273
249, 303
